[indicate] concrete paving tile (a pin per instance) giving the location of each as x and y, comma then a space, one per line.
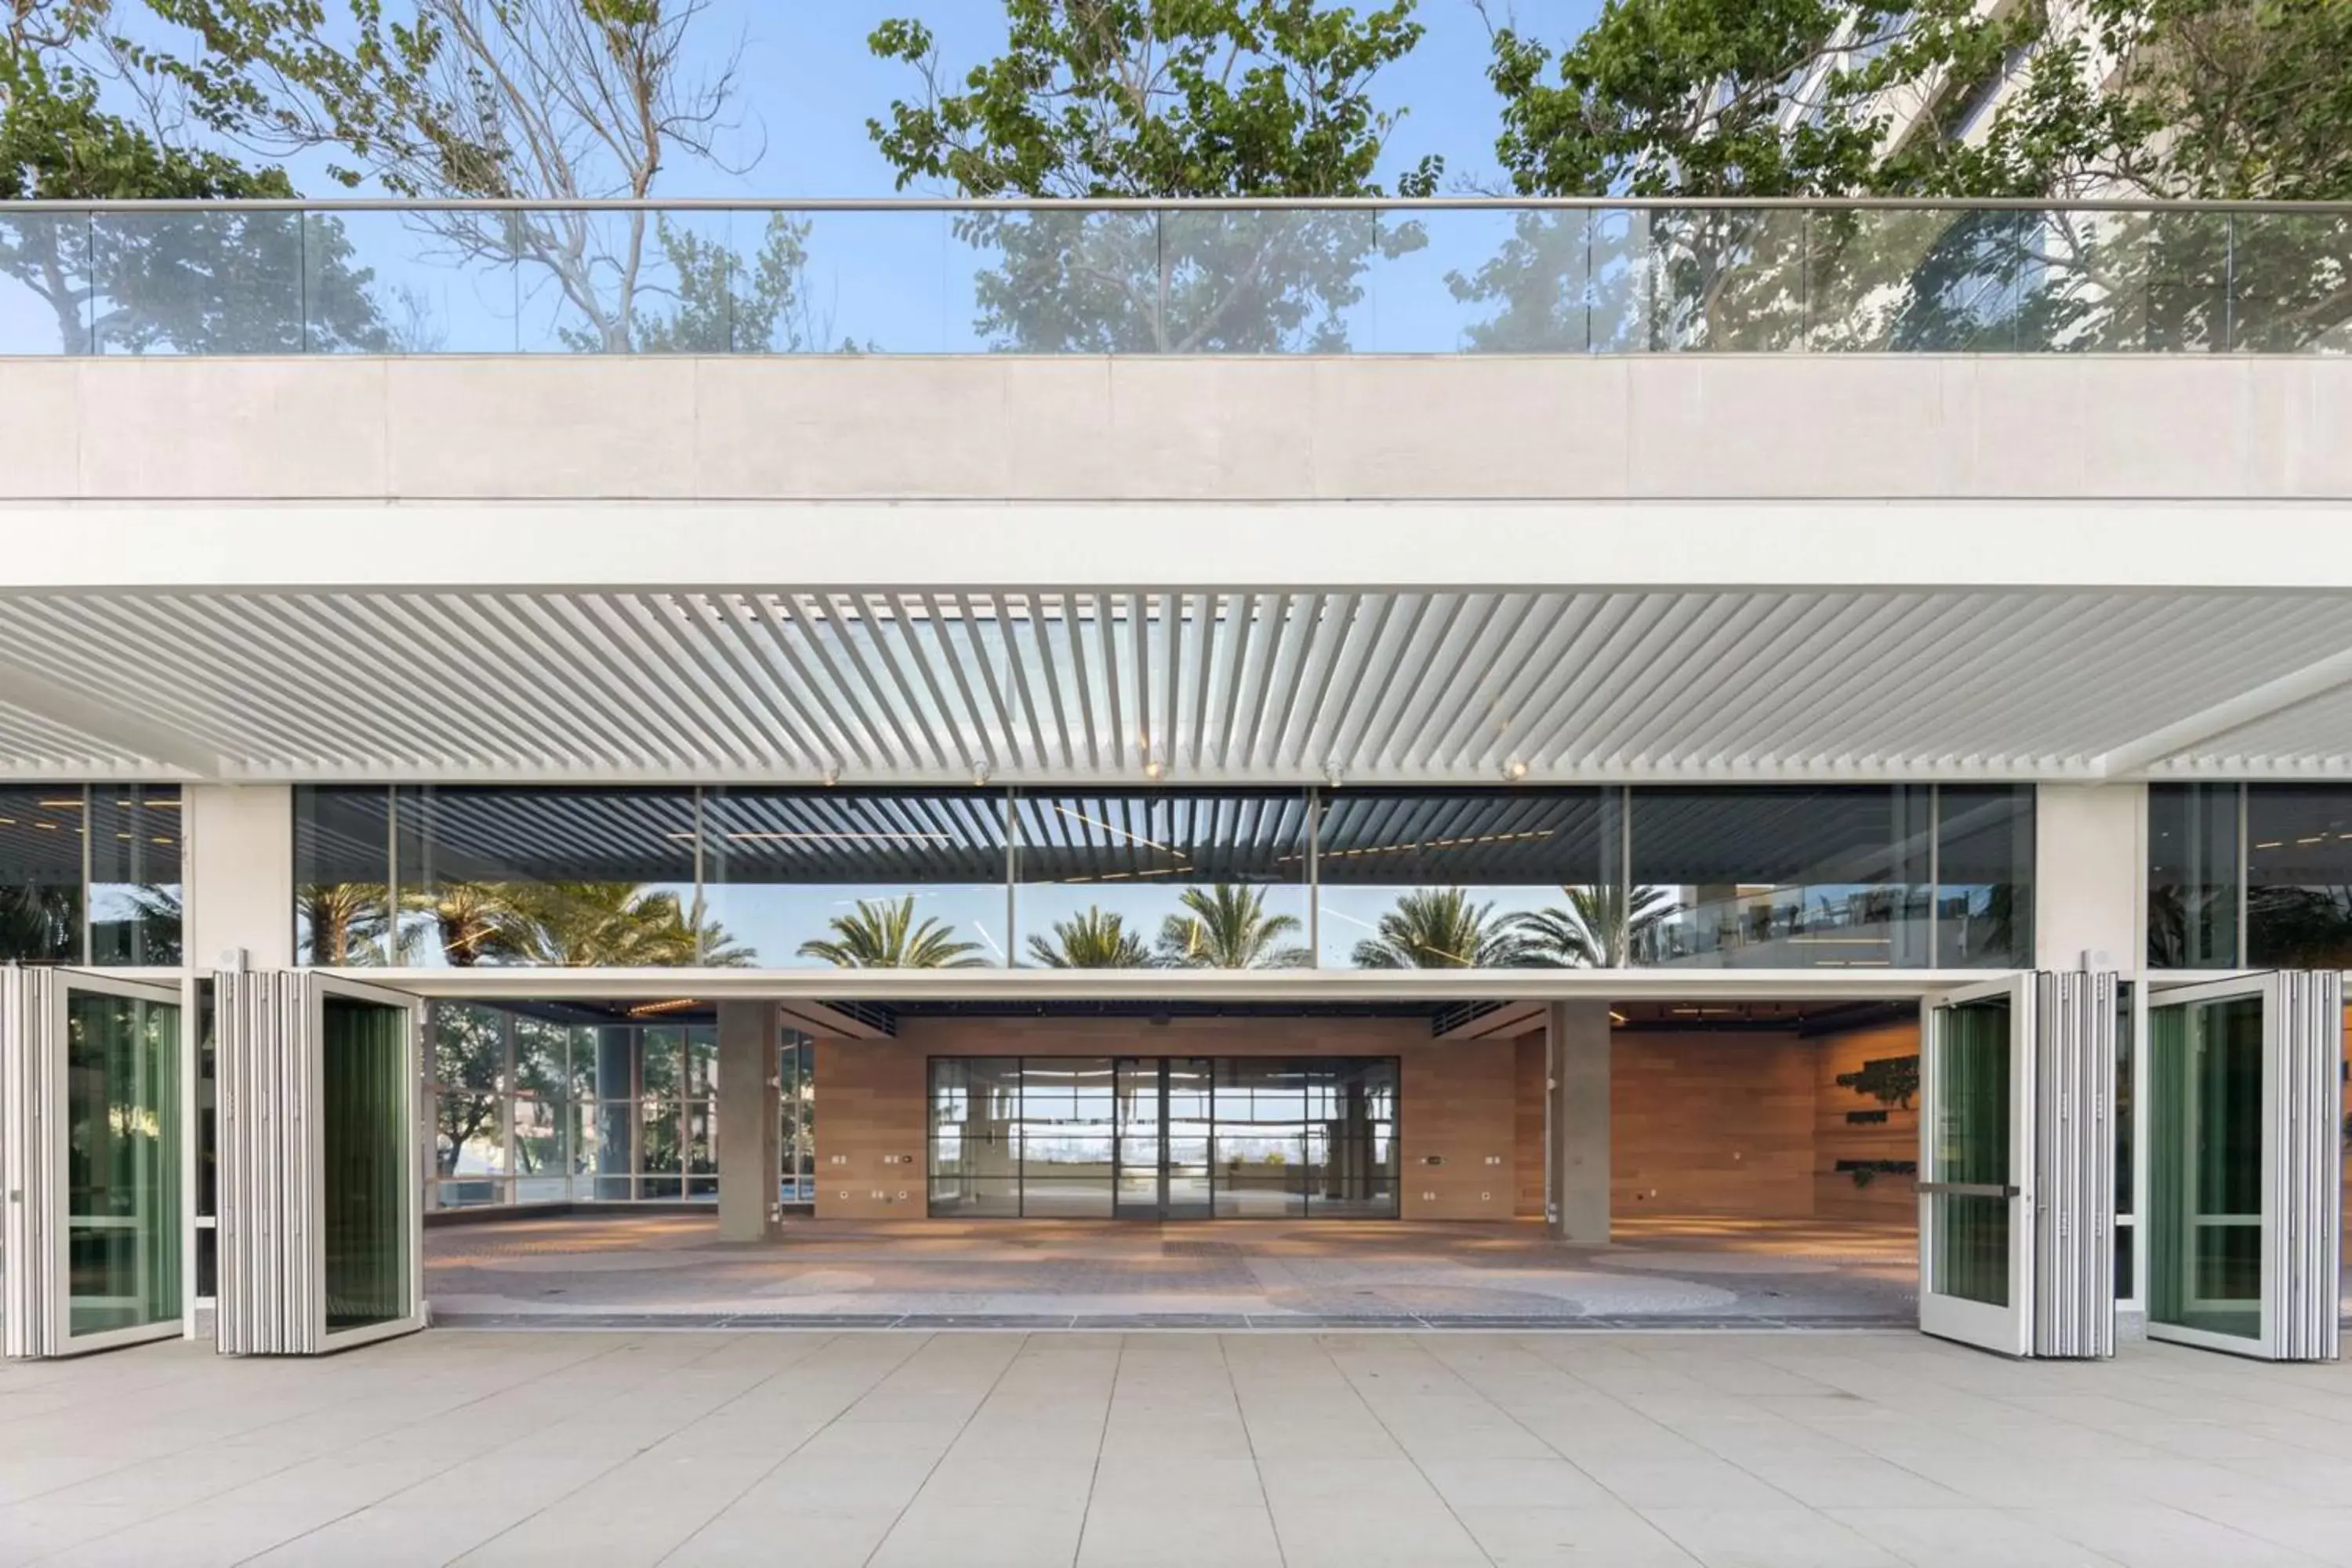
1470, 1482
1966, 1538
1606, 1535
1175, 1532
1372, 1532
980, 1535
1142, 1481
762, 1534
2150, 1535
1767, 1538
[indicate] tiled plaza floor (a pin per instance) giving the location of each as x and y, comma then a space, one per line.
618, 1270
1207, 1450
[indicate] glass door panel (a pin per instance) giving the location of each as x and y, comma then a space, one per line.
1185, 1193
2209, 1224
122, 1154
1139, 1128
365, 1104
1973, 1218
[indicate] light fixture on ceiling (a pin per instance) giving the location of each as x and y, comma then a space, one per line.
1332, 773
1154, 768
978, 775
1515, 770
656, 1009
831, 775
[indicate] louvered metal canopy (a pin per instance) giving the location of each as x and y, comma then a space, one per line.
1688, 652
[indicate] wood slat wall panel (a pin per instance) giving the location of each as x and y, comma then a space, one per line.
1712, 1124
1889, 1198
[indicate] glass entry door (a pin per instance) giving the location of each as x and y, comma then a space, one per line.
1976, 1257
118, 1046
1162, 1134
2244, 1166
364, 1148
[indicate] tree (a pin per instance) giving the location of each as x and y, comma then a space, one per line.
886, 935
604, 924
467, 920
2224, 98
226, 283
1093, 940
468, 1071
1162, 99
556, 99
341, 923
1596, 929
1225, 926
1439, 928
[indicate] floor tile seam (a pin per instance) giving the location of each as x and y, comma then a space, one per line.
512, 1525
1094, 1472
1442, 1500
1249, 1442
277, 1470
898, 1517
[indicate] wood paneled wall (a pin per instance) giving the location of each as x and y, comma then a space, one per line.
1457, 1099
1749, 1124
1712, 1124
1835, 1194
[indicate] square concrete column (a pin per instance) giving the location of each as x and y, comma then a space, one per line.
748, 1115
1577, 1197
2090, 875
240, 897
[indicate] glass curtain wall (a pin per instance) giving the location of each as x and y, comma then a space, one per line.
1122, 880
796, 1104
90, 874
532, 1109
1910, 877
2249, 877
1094, 1137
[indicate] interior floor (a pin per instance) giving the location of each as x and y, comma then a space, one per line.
1670, 1270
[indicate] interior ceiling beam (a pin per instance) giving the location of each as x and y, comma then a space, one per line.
2267, 700
65, 705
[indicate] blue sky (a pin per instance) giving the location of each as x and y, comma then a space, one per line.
810, 80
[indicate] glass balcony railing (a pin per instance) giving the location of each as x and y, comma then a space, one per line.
932, 278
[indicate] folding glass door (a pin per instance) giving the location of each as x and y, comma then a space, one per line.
92, 1135
2017, 1166
1975, 1265
2244, 1166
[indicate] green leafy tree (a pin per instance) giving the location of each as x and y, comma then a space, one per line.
1160, 98
886, 935
469, 1069
2225, 99
1439, 928
1094, 939
1225, 926
225, 282
1595, 929
342, 924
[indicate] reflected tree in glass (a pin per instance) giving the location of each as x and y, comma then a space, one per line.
881, 934
1440, 928
1225, 925
1595, 929
469, 1079
1092, 939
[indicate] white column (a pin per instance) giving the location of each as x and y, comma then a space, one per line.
240, 871
2090, 874
1578, 1206
747, 1118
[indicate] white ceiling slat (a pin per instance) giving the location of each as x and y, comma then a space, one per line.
1261, 684
1072, 622
988, 683
1323, 610
782, 635
664, 618
1008, 625
978, 729
1357, 647
1248, 717
808, 622
615, 676
739, 640
1484, 672
880, 611
653, 667
843, 632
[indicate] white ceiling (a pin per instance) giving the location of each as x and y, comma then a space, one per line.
1091, 685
